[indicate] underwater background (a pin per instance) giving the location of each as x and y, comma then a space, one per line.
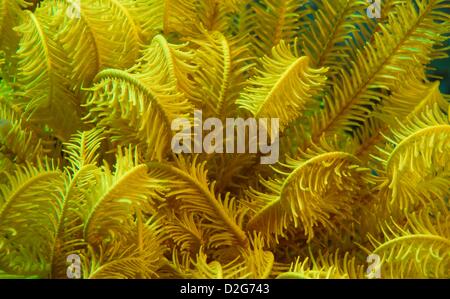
95, 93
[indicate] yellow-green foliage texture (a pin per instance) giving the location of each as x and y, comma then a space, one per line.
86, 167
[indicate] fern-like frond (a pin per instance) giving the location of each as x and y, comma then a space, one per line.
142, 115
273, 21
105, 35
82, 149
421, 249
328, 39
416, 162
324, 185
406, 40
116, 195
116, 13
283, 87
69, 237
173, 63
174, 16
42, 78
214, 15
18, 141
257, 261
189, 184
389, 7
11, 15
140, 256
140, 13
186, 232
81, 176
222, 72
29, 210
411, 100
242, 21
